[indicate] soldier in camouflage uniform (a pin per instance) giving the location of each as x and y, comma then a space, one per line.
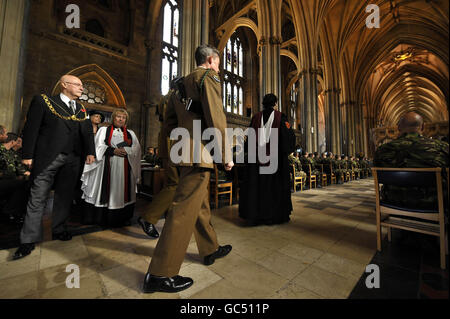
339, 172
3, 135
327, 161
343, 165
13, 180
411, 149
315, 168
355, 167
364, 165
294, 160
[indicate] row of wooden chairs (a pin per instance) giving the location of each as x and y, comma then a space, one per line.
327, 174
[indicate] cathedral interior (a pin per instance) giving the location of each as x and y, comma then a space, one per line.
345, 71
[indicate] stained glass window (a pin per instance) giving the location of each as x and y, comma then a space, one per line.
233, 69
93, 93
293, 100
170, 44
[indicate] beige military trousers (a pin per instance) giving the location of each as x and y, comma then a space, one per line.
189, 213
163, 200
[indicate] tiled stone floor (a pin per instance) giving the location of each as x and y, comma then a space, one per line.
321, 253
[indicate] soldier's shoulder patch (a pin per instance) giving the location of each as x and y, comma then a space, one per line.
216, 78
288, 125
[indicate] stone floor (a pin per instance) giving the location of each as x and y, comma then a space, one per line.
321, 253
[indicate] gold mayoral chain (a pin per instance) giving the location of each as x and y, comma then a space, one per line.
67, 118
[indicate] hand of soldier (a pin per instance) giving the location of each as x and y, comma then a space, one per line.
27, 173
28, 163
229, 166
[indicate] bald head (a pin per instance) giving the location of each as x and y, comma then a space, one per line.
410, 122
71, 86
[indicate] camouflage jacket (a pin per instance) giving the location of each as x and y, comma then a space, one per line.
10, 164
412, 150
295, 161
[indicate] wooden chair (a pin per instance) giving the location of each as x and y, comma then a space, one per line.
297, 180
346, 174
324, 176
331, 173
312, 178
217, 185
353, 172
430, 221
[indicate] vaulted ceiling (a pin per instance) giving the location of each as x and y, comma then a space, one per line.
401, 66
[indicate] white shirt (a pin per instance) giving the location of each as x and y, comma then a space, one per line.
66, 100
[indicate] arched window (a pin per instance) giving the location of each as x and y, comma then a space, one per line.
233, 70
95, 27
293, 103
170, 44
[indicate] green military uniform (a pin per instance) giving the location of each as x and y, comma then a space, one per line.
10, 164
293, 160
363, 165
412, 150
162, 201
315, 169
150, 158
339, 172
356, 168
190, 211
13, 184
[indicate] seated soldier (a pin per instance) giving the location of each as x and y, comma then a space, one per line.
411, 149
13, 181
294, 160
315, 168
363, 165
355, 167
157, 159
338, 170
149, 157
3, 134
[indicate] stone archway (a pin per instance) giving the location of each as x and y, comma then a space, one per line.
101, 92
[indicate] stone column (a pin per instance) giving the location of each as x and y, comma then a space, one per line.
195, 28
13, 31
333, 125
350, 117
270, 69
309, 110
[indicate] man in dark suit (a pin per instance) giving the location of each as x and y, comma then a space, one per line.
55, 137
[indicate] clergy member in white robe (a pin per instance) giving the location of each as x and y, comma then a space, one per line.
109, 184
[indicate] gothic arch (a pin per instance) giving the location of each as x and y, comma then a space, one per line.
233, 25
292, 56
94, 73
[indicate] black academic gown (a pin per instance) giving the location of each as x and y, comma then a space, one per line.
266, 199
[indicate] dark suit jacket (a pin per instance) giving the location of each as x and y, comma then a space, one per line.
46, 135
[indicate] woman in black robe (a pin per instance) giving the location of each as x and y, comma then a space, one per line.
265, 199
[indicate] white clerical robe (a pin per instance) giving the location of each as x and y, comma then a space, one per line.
93, 173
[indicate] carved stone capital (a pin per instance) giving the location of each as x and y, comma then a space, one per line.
275, 40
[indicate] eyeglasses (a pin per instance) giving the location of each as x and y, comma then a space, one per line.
75, 84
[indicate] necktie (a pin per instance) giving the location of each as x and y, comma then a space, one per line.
72, 106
